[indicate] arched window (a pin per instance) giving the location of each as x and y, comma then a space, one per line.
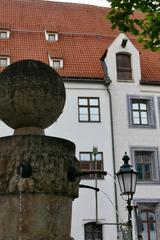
148, 219
124, 70
93, 231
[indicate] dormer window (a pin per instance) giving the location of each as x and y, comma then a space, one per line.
124, 70
51, 36
122, 60
4, 34
56, 63
4, 61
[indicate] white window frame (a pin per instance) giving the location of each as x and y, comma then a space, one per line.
51, 60
47, 34
7, 60
4, 31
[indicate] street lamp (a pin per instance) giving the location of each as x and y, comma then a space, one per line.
127, 178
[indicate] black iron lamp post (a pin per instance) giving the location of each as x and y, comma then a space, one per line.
127, 178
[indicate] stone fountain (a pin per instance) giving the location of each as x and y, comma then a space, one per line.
35, 193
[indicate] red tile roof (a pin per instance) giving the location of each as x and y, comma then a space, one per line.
84, 36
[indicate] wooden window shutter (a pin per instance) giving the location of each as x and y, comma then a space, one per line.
124, 70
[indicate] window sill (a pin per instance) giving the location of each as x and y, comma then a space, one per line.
89, 121
92, 179
148, 182
142, 126
126, 81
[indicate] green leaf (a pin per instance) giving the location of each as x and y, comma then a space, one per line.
147, 28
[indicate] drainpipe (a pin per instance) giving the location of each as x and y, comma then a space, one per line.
107, 84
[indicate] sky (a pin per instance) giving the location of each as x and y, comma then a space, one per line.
102, 3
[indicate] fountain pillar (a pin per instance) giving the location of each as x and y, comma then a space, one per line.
35, 194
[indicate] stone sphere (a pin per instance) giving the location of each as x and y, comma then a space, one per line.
31, 95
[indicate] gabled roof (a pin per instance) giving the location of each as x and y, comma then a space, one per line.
84, 36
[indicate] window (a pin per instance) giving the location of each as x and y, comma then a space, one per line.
141, 112
4, 61
51, 36
93, 231
56, 63
124, 71
147, 226
88, 163
4, 34
89, 109
146, 161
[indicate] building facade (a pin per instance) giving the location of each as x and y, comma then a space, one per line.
112, 103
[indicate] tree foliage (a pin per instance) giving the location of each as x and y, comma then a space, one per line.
145, 24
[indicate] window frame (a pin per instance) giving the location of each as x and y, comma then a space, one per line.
7, 61
91, 164
4, 31
146, 208
159, 107
48, 33
154, 165
93, 225
127, 70
89, 107
150, 111
52, 59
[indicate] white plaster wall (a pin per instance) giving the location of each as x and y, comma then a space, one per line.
5, 130
126, 137
85, 136
115, 48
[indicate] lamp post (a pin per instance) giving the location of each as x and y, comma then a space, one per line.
127, 178
95, 152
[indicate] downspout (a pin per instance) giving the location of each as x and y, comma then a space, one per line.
107, 83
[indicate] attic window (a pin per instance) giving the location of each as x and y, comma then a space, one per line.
124, 70
51, 36
4, 34
56, 63
4, 61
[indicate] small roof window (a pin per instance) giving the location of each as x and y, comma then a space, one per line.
4, 61
4, 34
56, 63
51, 36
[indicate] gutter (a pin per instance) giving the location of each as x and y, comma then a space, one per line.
150, 82
83, 80
107, 83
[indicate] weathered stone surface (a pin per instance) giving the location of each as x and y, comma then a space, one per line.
35, 194
31, 95
42, 217
49, 158
38, 207
29, 131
